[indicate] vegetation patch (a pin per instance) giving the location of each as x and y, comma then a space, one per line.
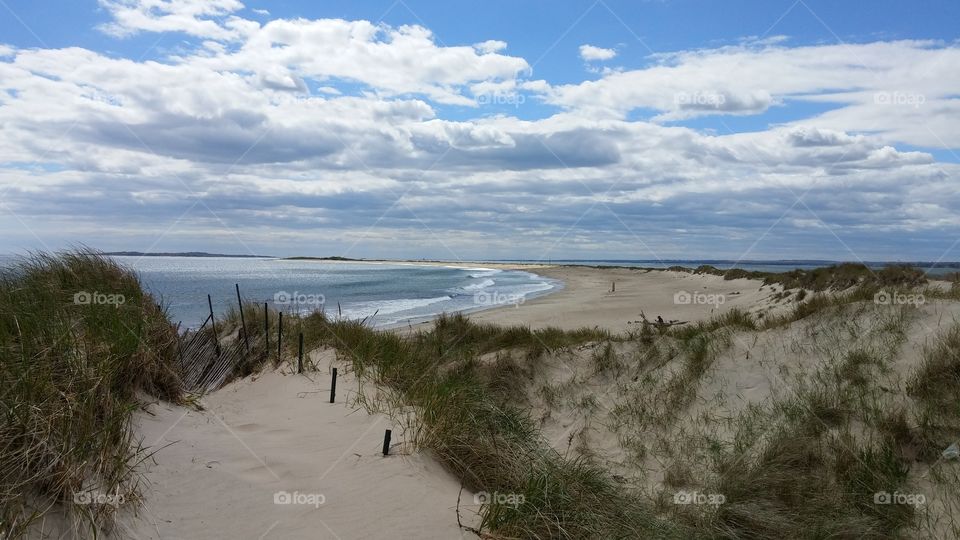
79, 339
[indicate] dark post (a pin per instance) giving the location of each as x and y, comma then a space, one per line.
279, 336
333, 386
216, 339
243, 322
266, 329
300, 357
386, 443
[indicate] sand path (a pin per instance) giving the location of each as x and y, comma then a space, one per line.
216, 472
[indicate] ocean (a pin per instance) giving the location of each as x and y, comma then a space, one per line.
387, 294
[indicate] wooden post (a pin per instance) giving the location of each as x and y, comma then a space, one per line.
279, 337
300, 356
243, 322
266, 329
216, 339
386, 443
333, 386
613, 286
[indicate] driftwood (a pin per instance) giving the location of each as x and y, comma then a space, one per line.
659, 323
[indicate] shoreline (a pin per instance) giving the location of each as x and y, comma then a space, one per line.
619, 299
588, 298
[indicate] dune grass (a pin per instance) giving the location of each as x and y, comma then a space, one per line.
79, 339
834, 277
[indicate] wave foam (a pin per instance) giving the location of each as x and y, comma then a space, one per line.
360, 310
477, 273
476, 286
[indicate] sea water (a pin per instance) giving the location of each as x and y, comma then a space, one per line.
385, 294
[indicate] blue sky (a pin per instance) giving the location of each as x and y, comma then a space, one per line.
651, 129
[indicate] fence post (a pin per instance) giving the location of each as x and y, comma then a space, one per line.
266, 329
279, 337
213, 323
300, 356
386, 443
333, 386
243, 322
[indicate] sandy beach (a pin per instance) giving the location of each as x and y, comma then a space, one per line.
615, 299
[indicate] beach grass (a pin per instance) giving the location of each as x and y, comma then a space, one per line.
79, 343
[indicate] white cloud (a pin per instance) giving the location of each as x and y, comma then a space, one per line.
393, 61
301, 128
201, 18
900, 88
590, 52
491, 46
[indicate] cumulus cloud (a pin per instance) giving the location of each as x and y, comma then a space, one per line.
337, 132
491, 46
897, 88
201, 18
591, 52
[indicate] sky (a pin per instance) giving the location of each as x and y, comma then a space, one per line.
658, 129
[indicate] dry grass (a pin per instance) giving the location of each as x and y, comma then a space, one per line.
70, 377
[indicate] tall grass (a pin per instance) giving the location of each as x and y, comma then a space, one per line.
70, 372
937, 381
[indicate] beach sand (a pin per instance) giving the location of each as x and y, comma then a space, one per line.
588, 298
